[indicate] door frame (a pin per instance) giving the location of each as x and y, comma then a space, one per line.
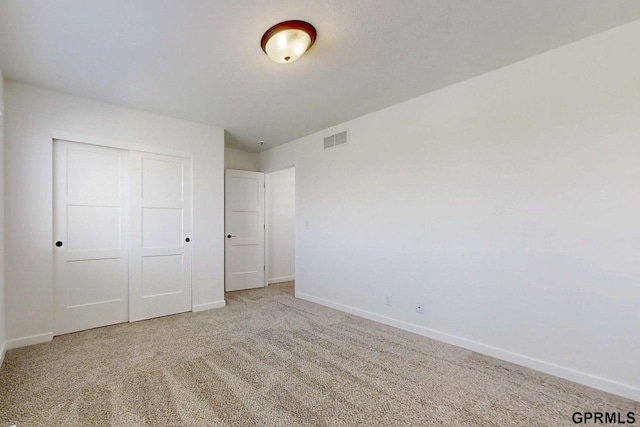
114, 143
266, 219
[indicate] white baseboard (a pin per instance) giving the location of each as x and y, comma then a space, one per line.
281, 279
208, 306
25, 341
2, 351
583, 378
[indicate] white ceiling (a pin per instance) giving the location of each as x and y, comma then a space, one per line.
200, 60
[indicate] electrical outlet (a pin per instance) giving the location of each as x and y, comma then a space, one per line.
420, 308
388, 300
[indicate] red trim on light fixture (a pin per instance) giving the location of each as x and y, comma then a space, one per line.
288, 25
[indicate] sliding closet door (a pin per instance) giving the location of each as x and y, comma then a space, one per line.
90, 236
160, 256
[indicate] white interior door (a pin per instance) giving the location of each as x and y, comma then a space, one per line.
160, 260
244, 223
90, 235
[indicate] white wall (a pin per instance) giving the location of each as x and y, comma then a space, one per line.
34, 116
240, 159
3, 335
508, 204
280, 209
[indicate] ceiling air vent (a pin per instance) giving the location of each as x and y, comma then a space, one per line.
337, 139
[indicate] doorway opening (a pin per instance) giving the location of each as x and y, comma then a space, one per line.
280, 209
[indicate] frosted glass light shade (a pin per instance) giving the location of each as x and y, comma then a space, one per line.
287, 41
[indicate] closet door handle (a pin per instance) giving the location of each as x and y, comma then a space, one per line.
58, 243
187, 240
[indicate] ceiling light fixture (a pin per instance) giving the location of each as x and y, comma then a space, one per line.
287, 41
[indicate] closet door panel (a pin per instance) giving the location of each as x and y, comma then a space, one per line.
90, 236
160, 257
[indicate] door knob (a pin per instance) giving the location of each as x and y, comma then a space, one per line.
58, 243
187, 240
229, 236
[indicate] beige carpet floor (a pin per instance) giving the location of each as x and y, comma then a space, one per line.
268, 359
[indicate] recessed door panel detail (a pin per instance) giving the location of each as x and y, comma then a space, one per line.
94, 282
161, 275
93, 227
244, 193
244, 256
94, 174
162, 179
161, 227
245, 225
